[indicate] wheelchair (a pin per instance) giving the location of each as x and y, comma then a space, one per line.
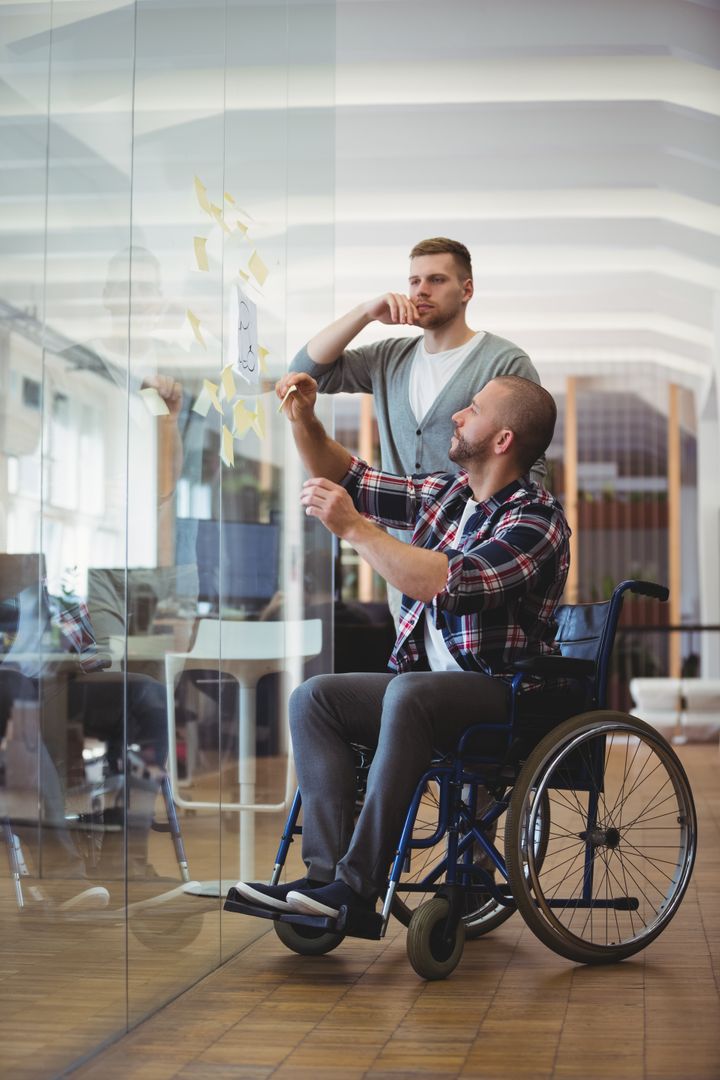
599, 836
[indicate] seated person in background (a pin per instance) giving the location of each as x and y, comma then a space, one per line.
481, 580
117, 708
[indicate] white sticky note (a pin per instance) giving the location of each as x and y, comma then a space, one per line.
257, 268
203, 403
155, 405
242, 350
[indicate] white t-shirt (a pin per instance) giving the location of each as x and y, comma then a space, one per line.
439, 656
432, 371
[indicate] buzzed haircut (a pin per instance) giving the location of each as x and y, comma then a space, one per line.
440, 245
530, 412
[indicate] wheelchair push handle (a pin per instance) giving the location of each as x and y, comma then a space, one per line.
645, 588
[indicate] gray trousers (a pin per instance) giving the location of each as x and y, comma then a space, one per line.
404, 717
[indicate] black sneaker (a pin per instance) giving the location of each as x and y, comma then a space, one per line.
327, 899
273, 896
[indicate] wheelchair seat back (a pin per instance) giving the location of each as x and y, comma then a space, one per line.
586, 632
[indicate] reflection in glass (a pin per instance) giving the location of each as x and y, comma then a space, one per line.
137, 568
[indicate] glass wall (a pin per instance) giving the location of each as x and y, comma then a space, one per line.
167, 235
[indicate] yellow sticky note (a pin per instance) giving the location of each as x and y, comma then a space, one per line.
257, 268
227, 450
203, 403
259, 421
242, 419
156, 405
241, 227
195, 323
212, 390
262, 353
201, 258
201, 192
217, 213
229, 198
243, 275
228, 383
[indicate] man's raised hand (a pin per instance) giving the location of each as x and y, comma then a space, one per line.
331, 504
393, 308
169, 389
297, 393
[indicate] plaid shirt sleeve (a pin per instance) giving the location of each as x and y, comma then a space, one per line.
525, 545
395, 501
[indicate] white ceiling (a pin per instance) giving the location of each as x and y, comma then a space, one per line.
574, 146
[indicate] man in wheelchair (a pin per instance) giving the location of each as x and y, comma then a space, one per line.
481, 581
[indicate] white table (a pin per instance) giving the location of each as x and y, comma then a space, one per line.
247, 651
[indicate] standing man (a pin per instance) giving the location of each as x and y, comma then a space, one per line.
418, 381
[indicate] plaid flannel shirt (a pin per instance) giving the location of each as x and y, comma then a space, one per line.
506, 573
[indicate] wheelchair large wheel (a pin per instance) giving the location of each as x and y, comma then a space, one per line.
483, 912
431, 955
307, 940
621, 843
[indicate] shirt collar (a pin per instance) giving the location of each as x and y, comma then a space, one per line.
503, 495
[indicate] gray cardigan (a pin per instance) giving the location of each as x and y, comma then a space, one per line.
383, 370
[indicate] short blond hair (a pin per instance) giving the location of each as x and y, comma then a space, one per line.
440, 245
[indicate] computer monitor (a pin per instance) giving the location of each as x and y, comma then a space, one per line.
238, 562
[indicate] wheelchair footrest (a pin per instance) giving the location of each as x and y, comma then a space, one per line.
360, 924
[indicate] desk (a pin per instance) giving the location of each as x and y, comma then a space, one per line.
247, 651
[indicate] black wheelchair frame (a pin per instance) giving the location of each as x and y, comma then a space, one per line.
600, 832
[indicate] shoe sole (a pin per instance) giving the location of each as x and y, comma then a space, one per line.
92, 899
305, 905
256, 897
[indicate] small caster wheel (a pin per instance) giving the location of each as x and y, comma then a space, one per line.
307, 940
432, 956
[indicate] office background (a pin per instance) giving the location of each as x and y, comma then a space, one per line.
156, 155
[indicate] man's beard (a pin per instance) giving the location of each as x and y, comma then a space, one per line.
463, 451
434, 319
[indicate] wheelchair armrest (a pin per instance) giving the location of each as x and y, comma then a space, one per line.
556, 666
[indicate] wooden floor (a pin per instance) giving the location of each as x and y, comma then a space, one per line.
511, 1009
